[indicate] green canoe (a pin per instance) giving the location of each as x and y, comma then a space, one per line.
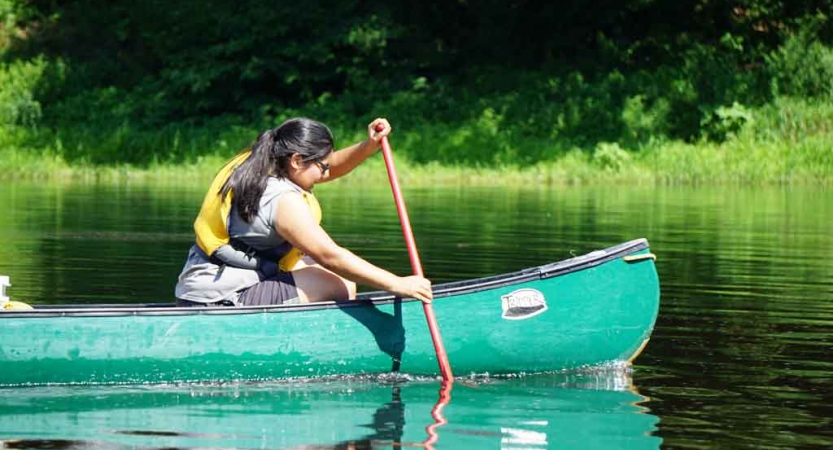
588, 310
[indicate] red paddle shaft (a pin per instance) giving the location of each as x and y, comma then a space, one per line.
439, 348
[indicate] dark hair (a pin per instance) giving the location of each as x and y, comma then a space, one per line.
270, 157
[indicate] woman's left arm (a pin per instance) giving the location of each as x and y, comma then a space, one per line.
345, 160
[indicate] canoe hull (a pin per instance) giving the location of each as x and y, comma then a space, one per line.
600, 309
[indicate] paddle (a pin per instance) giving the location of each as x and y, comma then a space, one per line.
416, 265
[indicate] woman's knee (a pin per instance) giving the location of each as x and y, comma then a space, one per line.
316, 284
351, 288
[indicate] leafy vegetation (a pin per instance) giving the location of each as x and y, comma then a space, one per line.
642, 89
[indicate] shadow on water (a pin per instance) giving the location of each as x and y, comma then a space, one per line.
599, 409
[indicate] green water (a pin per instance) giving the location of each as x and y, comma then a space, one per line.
740, 357
530, 413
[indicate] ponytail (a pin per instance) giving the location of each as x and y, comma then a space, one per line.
270, 155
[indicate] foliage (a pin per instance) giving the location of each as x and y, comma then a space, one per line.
726, 121
151, 82
610, 156
803, 66
787, 141
8, 20
18, 106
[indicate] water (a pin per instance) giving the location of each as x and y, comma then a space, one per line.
533, 412
741, 356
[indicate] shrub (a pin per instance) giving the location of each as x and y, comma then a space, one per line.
18, 81
803, 65
610, 156
644, 122
725, 121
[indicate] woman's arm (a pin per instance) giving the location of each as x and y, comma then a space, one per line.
345, 160
296, 224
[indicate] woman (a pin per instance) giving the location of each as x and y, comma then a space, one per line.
259, 219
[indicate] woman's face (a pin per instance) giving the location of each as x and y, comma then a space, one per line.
306, 173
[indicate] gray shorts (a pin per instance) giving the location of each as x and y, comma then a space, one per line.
275, 290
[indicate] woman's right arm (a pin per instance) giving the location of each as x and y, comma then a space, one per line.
295, 223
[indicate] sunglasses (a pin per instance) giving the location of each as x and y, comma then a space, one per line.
321, 165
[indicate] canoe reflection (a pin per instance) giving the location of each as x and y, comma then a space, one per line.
590, 410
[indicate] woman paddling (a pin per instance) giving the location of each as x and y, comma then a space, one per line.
259, 219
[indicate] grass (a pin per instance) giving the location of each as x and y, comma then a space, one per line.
735, 162
788, 141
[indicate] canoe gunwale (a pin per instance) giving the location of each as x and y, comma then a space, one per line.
451, 289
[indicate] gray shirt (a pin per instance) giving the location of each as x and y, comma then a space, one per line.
203, 281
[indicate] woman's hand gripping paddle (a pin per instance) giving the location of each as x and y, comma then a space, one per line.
416, 265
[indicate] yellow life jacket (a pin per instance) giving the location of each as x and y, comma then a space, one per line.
211, 225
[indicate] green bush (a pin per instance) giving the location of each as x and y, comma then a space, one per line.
789, 120
643, 122
802, 67
726, 121
8, 18
610, 157
18, 81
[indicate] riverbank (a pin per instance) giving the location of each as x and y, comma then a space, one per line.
673, 163
789, 142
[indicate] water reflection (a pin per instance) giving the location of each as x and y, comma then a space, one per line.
599, 410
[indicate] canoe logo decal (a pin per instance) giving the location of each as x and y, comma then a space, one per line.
523, 304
